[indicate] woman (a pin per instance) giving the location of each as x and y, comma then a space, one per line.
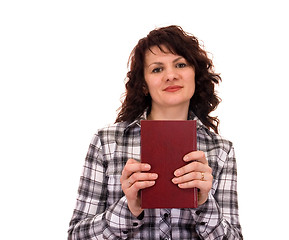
170, 78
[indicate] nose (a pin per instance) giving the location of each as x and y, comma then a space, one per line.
171, 74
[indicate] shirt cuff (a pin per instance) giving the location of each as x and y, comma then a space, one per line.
208, 217
120, 219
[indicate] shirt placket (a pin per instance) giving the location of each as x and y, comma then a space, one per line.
165, 224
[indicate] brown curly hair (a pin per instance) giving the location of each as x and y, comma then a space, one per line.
178, 42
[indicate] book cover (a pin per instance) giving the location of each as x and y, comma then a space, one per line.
163, 146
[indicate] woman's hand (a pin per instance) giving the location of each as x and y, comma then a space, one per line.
197, 174
133, 178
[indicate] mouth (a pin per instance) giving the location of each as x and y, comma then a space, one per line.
173, 88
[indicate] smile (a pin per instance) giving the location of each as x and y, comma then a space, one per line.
173, 88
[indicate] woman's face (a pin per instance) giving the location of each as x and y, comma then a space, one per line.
169, 77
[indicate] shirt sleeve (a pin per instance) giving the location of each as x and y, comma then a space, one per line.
92, 218
218, 217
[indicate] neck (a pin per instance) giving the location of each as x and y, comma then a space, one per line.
172, 113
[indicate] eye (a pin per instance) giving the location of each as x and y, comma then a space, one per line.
157, 70
181, 65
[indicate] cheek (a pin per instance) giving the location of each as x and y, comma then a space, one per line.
193, 91
152, 84
192, 85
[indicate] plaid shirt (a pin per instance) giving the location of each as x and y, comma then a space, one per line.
102, 212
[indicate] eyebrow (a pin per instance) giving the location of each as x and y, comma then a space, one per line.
160, 63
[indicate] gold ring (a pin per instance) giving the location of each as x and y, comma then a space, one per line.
203, 176
129, 182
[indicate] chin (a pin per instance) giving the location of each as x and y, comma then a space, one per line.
176, 102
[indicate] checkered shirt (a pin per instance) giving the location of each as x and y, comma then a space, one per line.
102, 212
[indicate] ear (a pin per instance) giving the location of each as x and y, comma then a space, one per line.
145, 90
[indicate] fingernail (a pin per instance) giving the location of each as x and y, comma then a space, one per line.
154, 175
177, 173
174, 180
185, 158
147, 166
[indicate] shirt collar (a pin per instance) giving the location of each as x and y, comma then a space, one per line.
191, 116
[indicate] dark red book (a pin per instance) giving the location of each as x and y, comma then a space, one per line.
163, 146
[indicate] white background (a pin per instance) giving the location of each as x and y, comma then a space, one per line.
62, 71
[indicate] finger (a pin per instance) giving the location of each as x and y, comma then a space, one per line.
192, 167
133, 191
188, 177
133, 166
142, 185
204, 186
196, 156
136, 177
192, 176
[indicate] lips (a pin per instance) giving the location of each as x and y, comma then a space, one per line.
173, 88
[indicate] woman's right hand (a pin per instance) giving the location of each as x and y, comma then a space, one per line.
133, 178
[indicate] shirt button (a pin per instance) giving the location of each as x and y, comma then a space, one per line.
135, 224
125, 232
166, 215
198, 212
203, 223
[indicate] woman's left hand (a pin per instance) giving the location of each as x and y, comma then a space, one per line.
197, 174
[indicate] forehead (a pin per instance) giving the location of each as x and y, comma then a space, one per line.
156, 53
